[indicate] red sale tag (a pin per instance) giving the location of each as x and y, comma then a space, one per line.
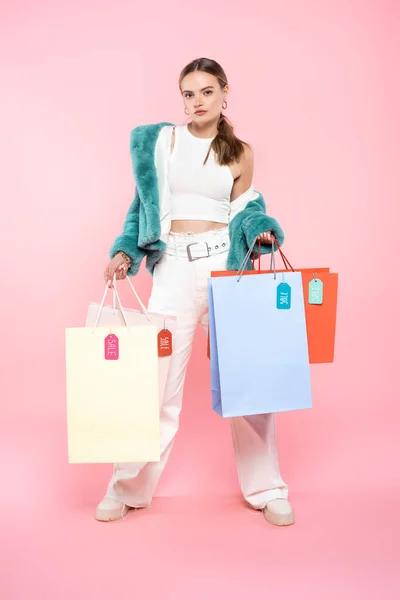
111, 347
164, 343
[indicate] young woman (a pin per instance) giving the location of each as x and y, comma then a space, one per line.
195, 211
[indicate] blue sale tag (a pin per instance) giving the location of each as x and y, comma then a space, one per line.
283, 296
315, 291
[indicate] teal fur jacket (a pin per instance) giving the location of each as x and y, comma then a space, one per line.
148, 220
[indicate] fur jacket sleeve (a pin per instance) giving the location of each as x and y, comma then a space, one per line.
148, 220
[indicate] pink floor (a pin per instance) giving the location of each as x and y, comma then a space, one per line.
345, 544
201, 548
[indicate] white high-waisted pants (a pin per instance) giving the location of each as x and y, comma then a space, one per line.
180, 288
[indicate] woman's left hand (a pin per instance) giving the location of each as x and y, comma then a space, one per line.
266, 238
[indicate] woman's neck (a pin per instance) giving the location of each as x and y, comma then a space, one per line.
207, 131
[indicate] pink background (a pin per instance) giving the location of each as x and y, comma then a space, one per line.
315, 90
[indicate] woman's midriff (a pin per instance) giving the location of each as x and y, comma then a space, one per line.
195, 226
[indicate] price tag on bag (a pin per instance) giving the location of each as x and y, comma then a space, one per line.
164, 342
111, 347
283, 296
315, 291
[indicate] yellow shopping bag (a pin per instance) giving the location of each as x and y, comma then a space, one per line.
112, 393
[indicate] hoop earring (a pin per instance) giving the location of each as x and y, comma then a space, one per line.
186, 113
226, 105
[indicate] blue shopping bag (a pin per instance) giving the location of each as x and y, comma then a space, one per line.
258, 344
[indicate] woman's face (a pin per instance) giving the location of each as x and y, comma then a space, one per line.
202, 92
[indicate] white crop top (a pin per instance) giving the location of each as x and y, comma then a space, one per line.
198, 192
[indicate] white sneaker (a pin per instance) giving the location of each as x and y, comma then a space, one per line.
279, 512
111, 510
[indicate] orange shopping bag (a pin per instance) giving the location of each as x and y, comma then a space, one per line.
320, 318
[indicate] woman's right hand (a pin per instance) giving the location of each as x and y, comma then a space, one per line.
118, 266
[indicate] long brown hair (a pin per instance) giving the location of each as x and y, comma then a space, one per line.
227, 147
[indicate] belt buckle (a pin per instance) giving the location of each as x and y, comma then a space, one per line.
191, 258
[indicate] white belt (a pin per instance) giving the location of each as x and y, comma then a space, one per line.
197, 250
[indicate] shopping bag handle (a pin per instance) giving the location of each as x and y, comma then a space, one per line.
142, 306
246, 258
284, 258
119, 302
248, 255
